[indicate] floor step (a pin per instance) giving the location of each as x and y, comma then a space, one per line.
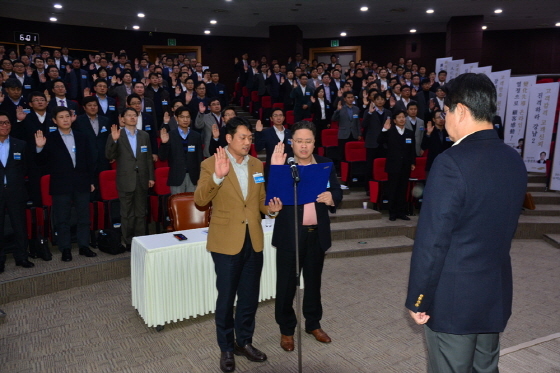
546, 198
365, 229
544, 210
346, 215
536, 187
536, 178
534, 227
379, 245
553, 239
354, 200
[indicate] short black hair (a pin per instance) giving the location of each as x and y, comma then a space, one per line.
275, 110
396, 113
89, 99
377, 95
347, 93
181, 109
233, 123
4, 114
99, 80
411, 103
129, 109
303, 125
13, 83
60, 109
36, 94
131, 96
476, 92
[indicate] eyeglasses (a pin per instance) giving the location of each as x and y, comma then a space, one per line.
5, 123
278, 115
301, 141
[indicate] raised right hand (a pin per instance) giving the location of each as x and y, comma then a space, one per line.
221, 165
166, 117
312, 98
387, 124
371, 107
215, 131
429, 128
115, 132
40, 140
339, 106
164, 135
201, 107
259, 126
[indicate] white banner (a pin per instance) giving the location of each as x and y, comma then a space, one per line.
482, 70
555, 174
453, 69
467, 67
540, 123
516, 110
501, 81
441, 64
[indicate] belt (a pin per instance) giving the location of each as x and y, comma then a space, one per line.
310, 228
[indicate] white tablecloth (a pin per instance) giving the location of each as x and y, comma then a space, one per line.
174, 280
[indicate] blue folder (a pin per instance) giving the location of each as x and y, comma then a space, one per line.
314, 180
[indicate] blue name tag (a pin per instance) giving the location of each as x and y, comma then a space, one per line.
290, 142
328, 184
144, 149
308, 93
52, 129
84, 77
148, 128
421, 128
27, 86
221, 92
355, 116
447, 139
111, 108
103, 129
148, 109
134, 80
328, 107
191, 149
27, 111
73, 149
164, 102
409, 141
258, 177
17, 156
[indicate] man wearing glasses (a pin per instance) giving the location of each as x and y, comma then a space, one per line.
268, 138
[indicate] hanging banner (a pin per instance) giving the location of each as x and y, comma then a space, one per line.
516, 110
501, 81
453, 69
482, 70
467, 67
540, 123
442, 64
555, 174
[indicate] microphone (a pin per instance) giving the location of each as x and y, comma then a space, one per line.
293, 167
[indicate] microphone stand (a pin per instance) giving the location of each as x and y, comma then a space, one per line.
298, 273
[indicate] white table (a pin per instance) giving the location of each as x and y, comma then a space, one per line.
175, 280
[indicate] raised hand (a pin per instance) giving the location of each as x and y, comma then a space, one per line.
1, 97
29, 70
221, 165
289, 59
429, 128
178, 90
91, 58
92, 66
47, 95
201, 107
113, 80
68, 68
414, 92
312, 98
371, 107
166, 117
94, 77
87, 92
392, 101
118, 71
282, 80
40, 140
364, 83
387, 124
20, 114
119, 81
245, 67
151, 183
146, 73
42, 78
432, 104
236, 60
188, 97
115, 132
84, 61
339, 106
339, 93
278, 157
164, 135
215, 131
259, 126
295, 84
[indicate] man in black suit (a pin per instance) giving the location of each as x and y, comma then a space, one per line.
270, 137
160, 97
301, 94
12, 103
217, 89
314, 241
19, 74
260, 80
374, 119
147, 105
144, 122
60, 98
401, 159
69, 162
78, 80
121, 87
423, 99
460, 283
435, 140
183, 148
107, 105
273, 82
13, 196
442, 77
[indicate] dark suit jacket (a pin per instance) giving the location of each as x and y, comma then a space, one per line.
347, 126
129, 166
173, 151
9, 108
65, 178
274, 85
149, 127
53, 103
401, 149
423, 107
112, 113
28, 84
435, 146
221, 141
15, 170
461, 262
218, 90
285, 91
267, 139
299, 100
77, 85
283, 235
373, 125
96, 142
316, 111
119, 91
260, 84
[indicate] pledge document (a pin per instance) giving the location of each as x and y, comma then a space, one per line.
314, 180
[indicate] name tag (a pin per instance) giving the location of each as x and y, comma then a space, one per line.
447, 139
111, 107
148, 110
221, 92
290, 142
134, 80
27, 111
421, 128
84, 77
27, 86
258, 177
355, 116
17, 156
103, 129
328, 106
52, 129
409, 141
308, 93
191, 149
148, 128
144, 149
73, 149
164, 102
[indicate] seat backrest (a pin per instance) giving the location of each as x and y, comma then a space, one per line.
255, 96
278, 105
379, 173
545, 80
419, 172
45, 190
266, 102
290, 119
108, 185
355, 151
160, 187
185, 214
253, 151
329, 137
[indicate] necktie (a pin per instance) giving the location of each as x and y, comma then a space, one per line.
62, 103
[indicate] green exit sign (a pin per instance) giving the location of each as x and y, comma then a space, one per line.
172, 42
334, 43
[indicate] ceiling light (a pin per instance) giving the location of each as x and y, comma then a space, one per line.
557, 24
206, 32
58, 6
136, 27
141, 15
413, 30
498, 11
213, 21
53, 19
429, 11
342, 34
484, 27
364, 9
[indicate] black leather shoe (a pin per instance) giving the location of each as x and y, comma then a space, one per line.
250, 352
403, 217
392, 218
25, 263
87, 252
227, 361
66, 255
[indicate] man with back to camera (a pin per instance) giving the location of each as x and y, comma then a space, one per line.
460, 282
232, 180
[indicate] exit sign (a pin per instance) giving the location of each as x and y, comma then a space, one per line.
334, 43
172, 42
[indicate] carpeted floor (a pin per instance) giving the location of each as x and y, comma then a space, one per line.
95, 329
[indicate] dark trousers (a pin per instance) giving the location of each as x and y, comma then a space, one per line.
237, 275
133, 213
311, 259
342, 144
16, 212
396, 191
452, 353
62, 210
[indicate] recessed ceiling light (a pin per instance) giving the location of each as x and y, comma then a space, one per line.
498, 11
484, 27
141, 15
58, 6
557, 24
213, 21
136, 27
342, 34
206, 32
413, 30
429, 11
53, 19
364, 9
